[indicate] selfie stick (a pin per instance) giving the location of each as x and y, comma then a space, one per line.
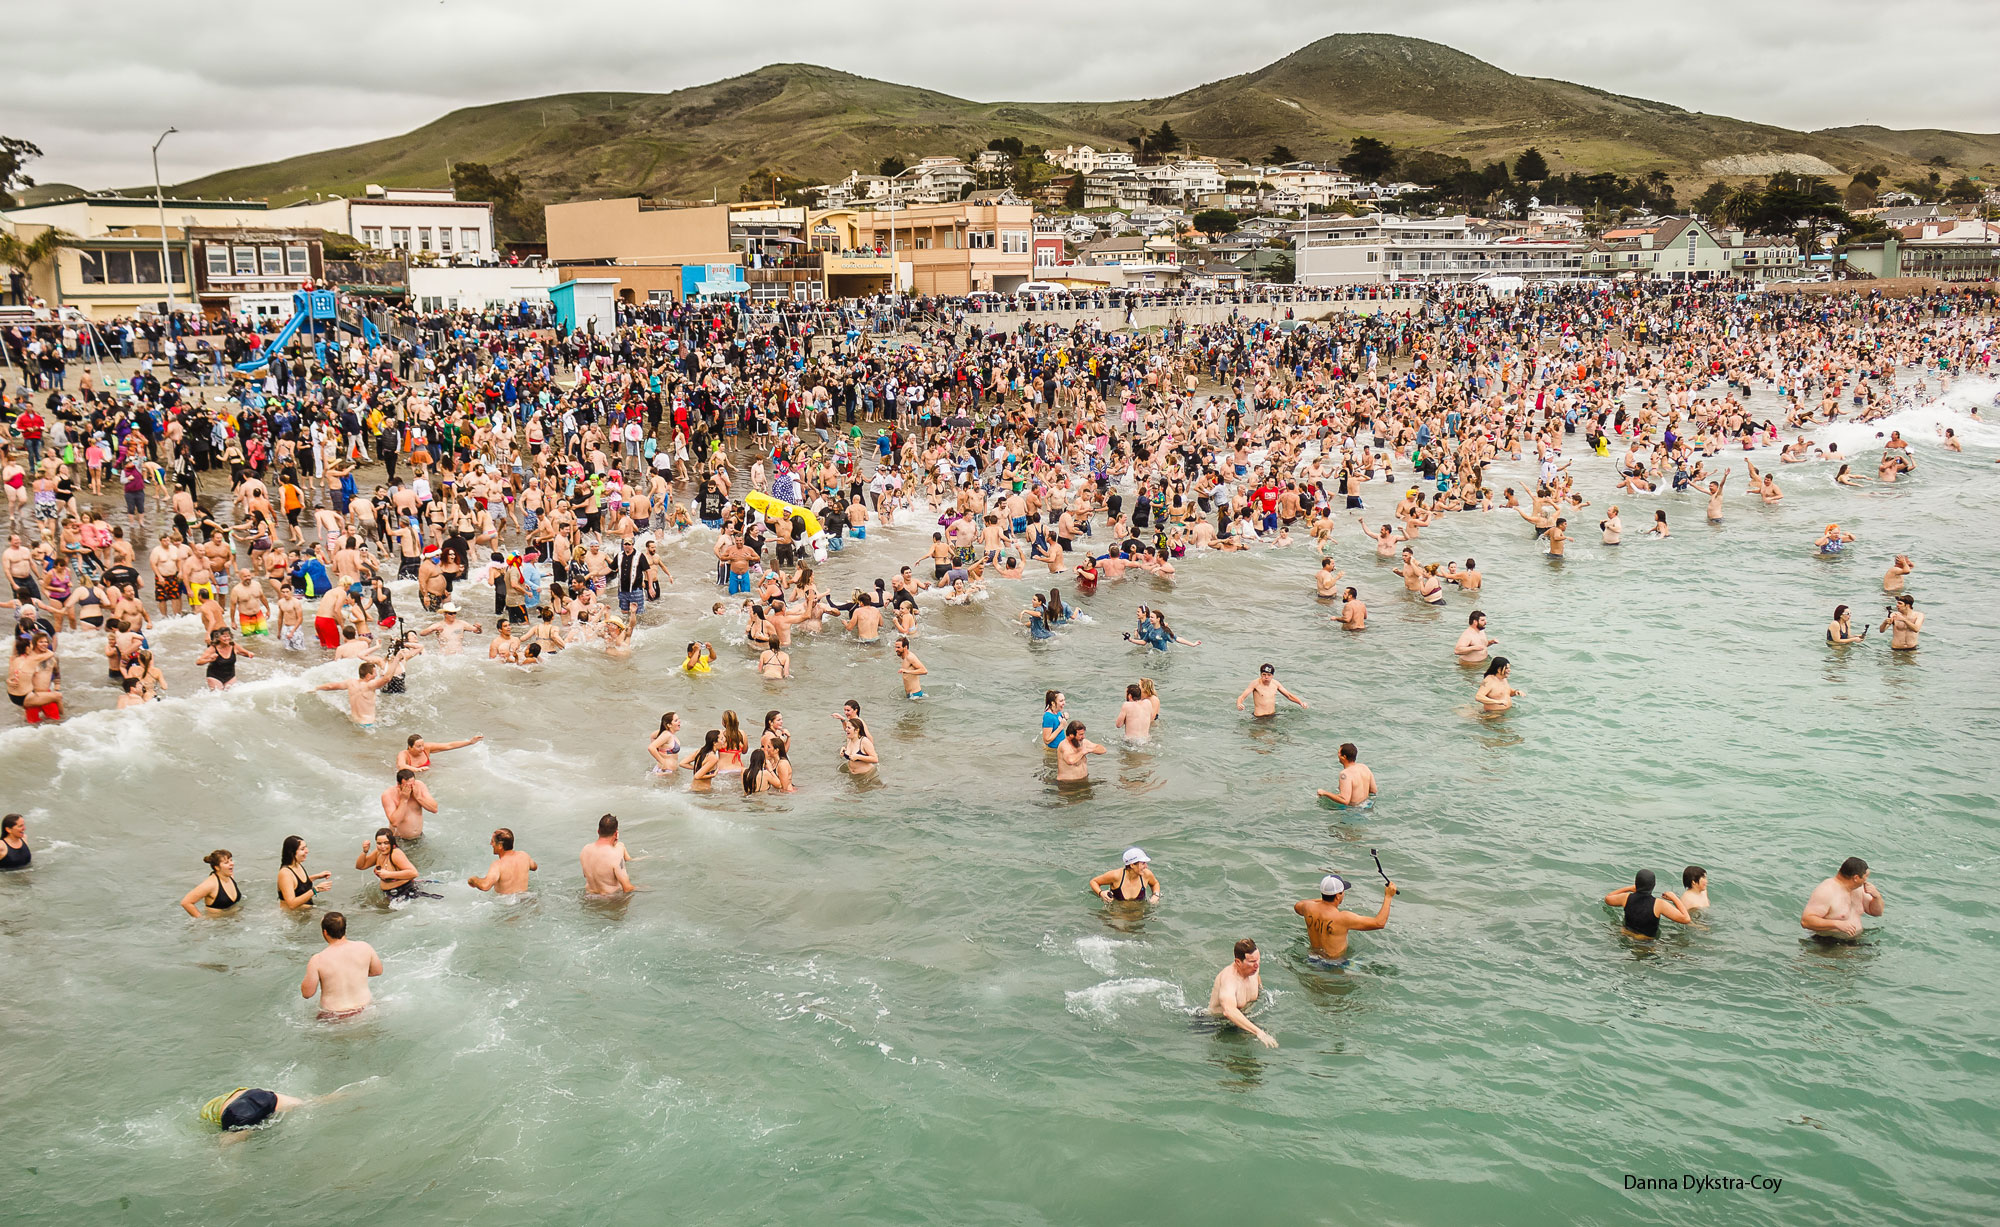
1378, 865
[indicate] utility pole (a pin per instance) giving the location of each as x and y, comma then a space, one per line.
160, 203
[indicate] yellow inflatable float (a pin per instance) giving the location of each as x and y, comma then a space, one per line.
775, 507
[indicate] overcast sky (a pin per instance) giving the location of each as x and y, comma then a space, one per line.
252, 83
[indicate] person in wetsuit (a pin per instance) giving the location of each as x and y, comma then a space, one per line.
1643, 909
1132, 882
218, 891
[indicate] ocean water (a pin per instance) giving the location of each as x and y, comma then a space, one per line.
893, 1001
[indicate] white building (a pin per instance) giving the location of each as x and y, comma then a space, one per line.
405, 219
1374, 249
449, 288
1080, 158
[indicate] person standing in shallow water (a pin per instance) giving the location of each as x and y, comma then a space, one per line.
1837, 905
1237, 988
1644, 911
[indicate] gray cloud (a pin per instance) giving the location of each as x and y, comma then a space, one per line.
250, 84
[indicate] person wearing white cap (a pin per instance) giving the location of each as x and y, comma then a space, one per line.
451, 632
1132, 882
1327, 926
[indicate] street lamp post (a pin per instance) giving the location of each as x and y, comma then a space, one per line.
160, 203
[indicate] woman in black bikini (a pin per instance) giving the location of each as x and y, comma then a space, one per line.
1132, 882
296, 887
218, 891
391, 866
221, 659
14, 852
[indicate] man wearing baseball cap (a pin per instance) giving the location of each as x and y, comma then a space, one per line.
1327, 926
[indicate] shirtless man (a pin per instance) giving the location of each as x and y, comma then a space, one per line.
1357, 782
1472, 644
604, 863
1353, 613
1073, 751
1467, 580
1892, 581
361, 690
1837, 905
451, 632
1236, 988
1267, 689
912, 670
1328, 581
1907, 621
1327, 926
339, 974
511, 866
404, 804
865, 620
1715, 498
292, 620
1135, 715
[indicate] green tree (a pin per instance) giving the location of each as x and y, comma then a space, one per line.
1711, 198
1073, 194
1743, 208
1279, 155
1531, 166
1962, 191
1368, 158
1165, 140
516, 219
1858, 195
23, 256
892, 166
1009, 145
1212, 222
14, 154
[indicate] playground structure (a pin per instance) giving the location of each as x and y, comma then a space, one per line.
320, 314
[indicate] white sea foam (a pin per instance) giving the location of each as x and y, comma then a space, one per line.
1103, 1001
1099, 952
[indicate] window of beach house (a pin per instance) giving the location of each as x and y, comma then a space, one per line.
372, 235
146, 267
468, 239
423, 238
118, 267
399, 237
218, 261
273, 260
444, 238
243, 261
298, 261
91, 265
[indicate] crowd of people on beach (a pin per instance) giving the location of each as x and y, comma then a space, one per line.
477, 458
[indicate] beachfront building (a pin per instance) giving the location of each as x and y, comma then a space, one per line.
643, 247
953, 248
1688, 249
1377, 248
412, 221
117, 267
1942, 250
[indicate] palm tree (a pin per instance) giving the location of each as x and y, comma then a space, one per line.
1741, 208
22, 257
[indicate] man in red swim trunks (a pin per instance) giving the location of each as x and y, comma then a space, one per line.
335, 605
42, 701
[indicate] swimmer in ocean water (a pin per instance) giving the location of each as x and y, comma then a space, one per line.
1131, 882
508, 875
1327, 926
1266, 690
1136, 714
1835, 909
339, 974
1357, 783
1473, 641
603, 861
246, 1107
417, 752
1073, 753
1237, 988
1643, 910
1494, 694
1694, 888
405, 803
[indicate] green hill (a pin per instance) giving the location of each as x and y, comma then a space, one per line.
818, 124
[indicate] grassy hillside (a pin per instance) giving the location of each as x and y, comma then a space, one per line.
819, 124
1967, 150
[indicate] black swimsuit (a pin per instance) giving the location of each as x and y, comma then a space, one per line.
306, 886
14, 858
223, 667
1118, 892
222, 902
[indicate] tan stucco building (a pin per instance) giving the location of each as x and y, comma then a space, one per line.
953, 248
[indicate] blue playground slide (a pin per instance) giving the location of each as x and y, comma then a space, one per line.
275, 344
305, 312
